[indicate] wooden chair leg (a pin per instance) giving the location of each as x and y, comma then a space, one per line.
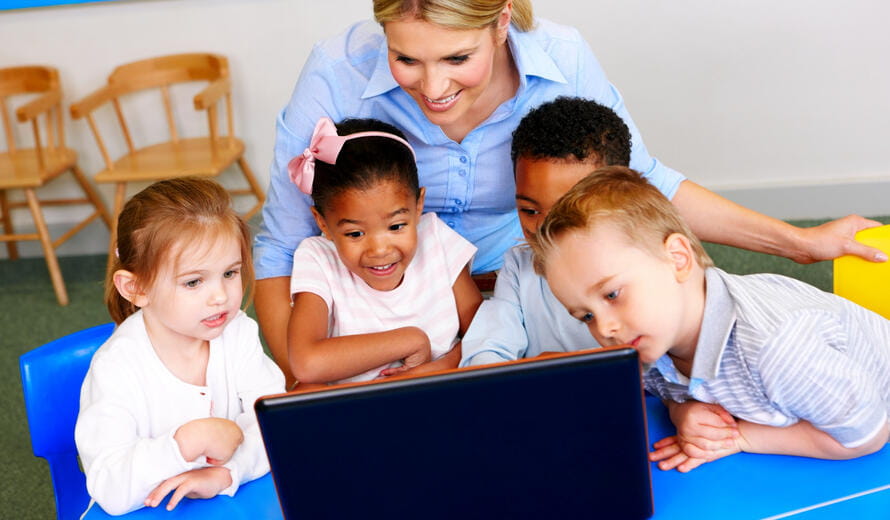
92, 194
52, 263
120, 196
11, 247
254, 187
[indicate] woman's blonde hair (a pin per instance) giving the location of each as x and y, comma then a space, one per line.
159, 221
455, 14
622, 197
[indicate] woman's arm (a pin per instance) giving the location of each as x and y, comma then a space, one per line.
316, 358
716, 219
273, 310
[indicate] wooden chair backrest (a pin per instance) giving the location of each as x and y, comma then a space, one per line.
34, 79
167, 70
160, 73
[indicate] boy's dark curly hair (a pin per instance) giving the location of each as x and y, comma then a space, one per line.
575, 129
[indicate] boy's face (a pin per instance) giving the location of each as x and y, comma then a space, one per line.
540, 183
625, 294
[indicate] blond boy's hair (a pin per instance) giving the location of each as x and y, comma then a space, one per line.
622, 197
455, 14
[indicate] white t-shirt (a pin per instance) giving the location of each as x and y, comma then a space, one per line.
424, 299
131, 406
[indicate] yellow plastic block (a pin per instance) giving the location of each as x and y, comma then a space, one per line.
866, 283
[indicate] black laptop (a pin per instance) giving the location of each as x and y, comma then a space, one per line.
554, 437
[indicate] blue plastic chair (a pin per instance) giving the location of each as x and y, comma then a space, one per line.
51, 379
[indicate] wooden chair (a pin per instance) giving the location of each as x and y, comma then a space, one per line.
30, 168
207, 155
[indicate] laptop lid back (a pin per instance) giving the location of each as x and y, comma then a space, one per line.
555, 437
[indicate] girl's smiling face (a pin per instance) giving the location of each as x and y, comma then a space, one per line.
374, 231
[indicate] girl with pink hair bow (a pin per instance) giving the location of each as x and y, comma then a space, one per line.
386, 289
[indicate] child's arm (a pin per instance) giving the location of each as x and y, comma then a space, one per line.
123, 463
316, 358
497, 332
804, 440
467, 298
801, 439
249, 375
215, 438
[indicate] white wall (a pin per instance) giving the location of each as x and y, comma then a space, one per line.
751, 99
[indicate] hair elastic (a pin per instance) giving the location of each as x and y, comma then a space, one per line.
325, 145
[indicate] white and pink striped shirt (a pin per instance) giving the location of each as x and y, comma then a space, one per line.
424, 299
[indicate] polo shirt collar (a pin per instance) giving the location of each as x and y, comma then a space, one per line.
717, 324
529, 56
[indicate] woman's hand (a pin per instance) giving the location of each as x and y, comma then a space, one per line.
838, 238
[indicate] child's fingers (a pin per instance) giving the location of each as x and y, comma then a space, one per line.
665, 442
664, 452
386, 372
157, 494
673, 462
178, 495
690, 464
706, 450
727, 417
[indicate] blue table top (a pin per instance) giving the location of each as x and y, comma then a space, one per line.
742, 486
749, 485
254, 500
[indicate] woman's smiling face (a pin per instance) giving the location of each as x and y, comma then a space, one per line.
445, 70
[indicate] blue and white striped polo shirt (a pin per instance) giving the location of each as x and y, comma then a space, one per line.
773, 350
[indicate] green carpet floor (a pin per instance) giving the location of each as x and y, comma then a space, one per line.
29, 317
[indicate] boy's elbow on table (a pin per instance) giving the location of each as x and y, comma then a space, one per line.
875, 444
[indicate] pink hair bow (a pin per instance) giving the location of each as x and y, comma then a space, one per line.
325, 146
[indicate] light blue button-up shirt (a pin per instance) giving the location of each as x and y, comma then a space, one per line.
468, 184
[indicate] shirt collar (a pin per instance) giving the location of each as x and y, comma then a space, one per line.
528, 55
717, 323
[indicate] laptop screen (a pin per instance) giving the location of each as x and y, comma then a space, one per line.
561, 436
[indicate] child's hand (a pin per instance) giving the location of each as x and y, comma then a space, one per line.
703, 428
422, 353
214, 437
197, 483
669, 454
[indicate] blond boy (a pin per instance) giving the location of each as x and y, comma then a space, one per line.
804, 372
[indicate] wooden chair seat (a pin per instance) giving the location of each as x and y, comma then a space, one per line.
22, 168
194, 156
